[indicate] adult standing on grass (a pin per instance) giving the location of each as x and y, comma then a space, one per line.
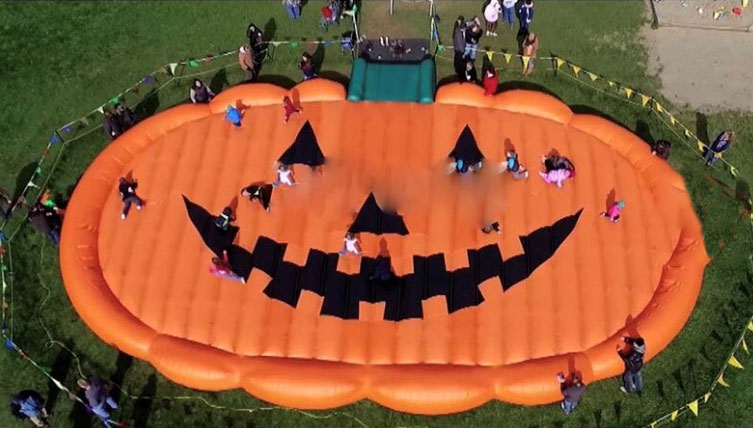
632, 355
458, 42
111, 125
491, 16
473, 34
246, 61
125, 117
293, 8
530, 50
525, 14
29, 404
98, 396
200, 92
572, 392
722, 142
508, 12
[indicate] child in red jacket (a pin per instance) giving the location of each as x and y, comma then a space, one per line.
491, 81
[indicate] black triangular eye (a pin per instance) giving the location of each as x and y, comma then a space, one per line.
466, 148
304, 150
371, 218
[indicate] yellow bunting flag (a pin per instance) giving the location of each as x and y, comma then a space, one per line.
693, 406
658, 106
575, 68
745, 3
610, 83
672, 119
734, 363
717, 14
101, 109
526, 59
722, 382
701, 146
559, 61
706, 397
489, 54
673, 415
653, 424
750, 325
507, 57
172, 67
745, 345
592, 75
628, 92
644, 99
733, 171
687, 132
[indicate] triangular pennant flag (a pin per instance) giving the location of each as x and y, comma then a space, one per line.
672, 119
673, 415
745, 345
101, 109
193, 63
327, 43
750, 325
745, 3
592, 75
559, 61
135, 89
115, 99
658, 107
575, 68
706, 397
84, 121
275, 44
693, 406
526, 60
172, 67
148, 79
687, 132
734, 362
701, 146
644, 99
507, 57
610, 83
440, 48
293, 44
628, 92
653, 424
490, 54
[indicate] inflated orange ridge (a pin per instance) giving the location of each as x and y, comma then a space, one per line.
143, 284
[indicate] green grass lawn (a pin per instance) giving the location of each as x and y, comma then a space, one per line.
61, 61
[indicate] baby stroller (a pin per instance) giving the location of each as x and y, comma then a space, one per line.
330, 14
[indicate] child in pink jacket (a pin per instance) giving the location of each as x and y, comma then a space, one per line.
613, 213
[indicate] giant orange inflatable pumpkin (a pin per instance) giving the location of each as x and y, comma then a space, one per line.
471, 317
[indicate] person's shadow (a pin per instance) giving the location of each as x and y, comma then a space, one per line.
59, 370
644, 131
143, 407
318, 57
702, 127
219, 81
122, 365
611, 197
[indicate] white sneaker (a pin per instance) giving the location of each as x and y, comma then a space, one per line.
122, 216
139, 207
622, 388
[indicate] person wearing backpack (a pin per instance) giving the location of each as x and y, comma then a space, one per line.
632, 355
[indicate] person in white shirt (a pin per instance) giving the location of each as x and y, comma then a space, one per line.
284, 176
351, 245
508, 12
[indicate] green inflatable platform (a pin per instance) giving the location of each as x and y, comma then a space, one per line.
375, 81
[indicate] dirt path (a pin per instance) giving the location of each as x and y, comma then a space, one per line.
708, 69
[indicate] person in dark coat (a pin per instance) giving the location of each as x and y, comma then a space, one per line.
722, 142
127, 190
259, 192
525, 14
632, 356
468, 74
125, 117
111, 126
47, 221
200, 92
572, 392
458, 43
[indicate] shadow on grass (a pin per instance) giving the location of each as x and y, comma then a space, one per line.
122, 365
337, 77
79, 415
643, 130
219, 81
702, 127
143, 407
22, 178
59, 370
148, 106
276, 79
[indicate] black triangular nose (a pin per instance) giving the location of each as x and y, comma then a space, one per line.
371, 218
304, 150
466, 148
